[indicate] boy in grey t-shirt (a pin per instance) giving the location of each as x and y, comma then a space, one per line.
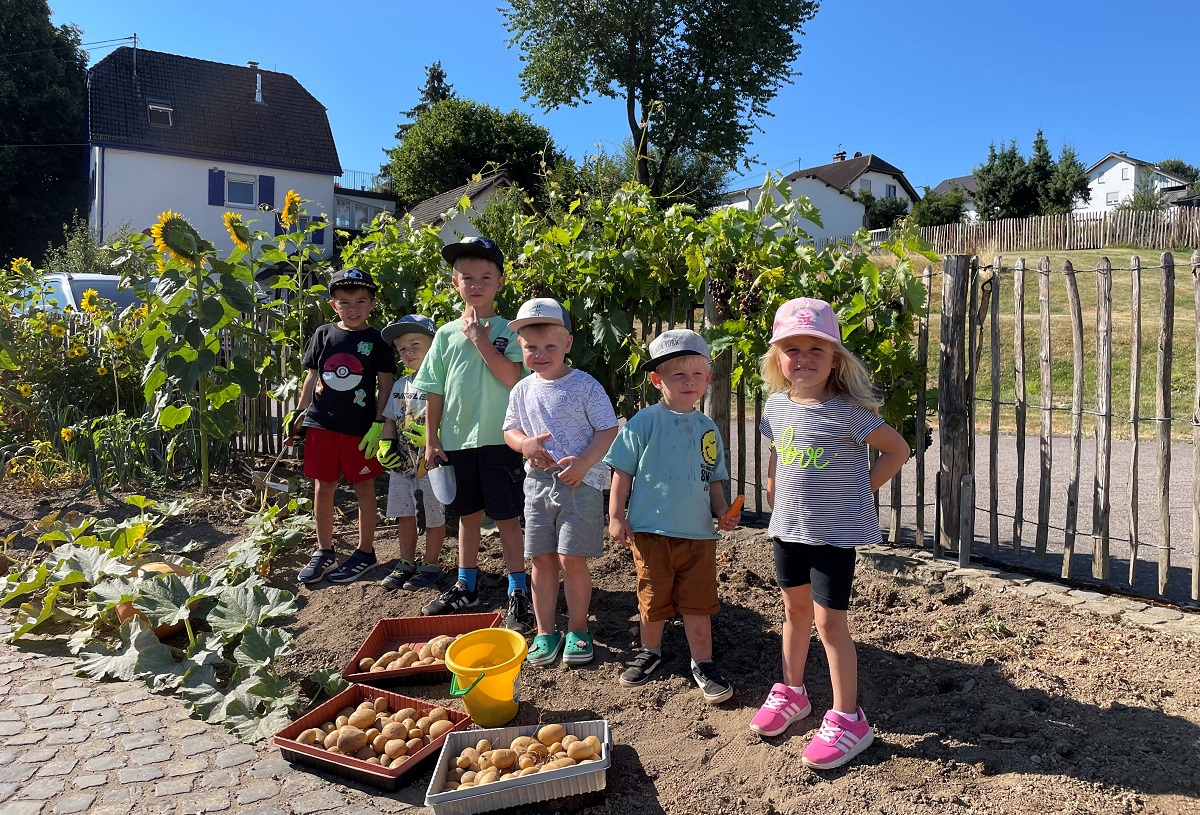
563, 422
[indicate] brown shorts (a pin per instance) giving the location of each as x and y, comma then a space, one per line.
675, 575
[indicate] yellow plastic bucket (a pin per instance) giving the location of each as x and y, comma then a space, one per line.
485, 665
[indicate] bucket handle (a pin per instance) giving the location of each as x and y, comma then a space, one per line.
456, 691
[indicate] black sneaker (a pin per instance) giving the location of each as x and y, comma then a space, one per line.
426, 575
400, 575
353, 567
453, 599
321, 561
520, 612
712, 682
638, 669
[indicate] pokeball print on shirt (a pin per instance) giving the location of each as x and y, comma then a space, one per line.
342, 372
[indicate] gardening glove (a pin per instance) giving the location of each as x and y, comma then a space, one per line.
370, 442
415, 433
389, 454
293, 424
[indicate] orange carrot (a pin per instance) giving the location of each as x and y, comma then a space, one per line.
734, 509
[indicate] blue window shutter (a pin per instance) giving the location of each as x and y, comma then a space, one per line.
318, 237
266, 190
216, 188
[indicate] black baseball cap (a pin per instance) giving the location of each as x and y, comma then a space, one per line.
473, 247
351, 278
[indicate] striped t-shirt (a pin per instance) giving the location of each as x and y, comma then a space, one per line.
822, 471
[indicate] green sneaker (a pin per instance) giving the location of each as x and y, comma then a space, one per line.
545, 649
578, 650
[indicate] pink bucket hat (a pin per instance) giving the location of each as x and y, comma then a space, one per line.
806, 317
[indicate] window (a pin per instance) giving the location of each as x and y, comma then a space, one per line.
1112, 198
160, 114
864, 184
889, 190
342, 213
239, 190
1124, 173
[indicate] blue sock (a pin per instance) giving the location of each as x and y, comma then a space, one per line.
516, 580
468, 576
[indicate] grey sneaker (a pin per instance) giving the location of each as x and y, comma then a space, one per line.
638, 669
427, 574
712, 682
400, 575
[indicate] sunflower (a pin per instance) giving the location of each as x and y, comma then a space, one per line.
118, 340
90, 301
21, 266
57, 330
291, 208
25, 390
66, 434
179, 239
102, 371
76, 351
238, 232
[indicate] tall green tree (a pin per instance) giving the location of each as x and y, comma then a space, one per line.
457, 138
1038, 172
1068, 182
1011, 187
694, 75
882, 213
43, 76
436, 89
1180, 167
935, 209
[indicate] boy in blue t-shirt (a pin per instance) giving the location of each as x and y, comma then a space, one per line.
669, 462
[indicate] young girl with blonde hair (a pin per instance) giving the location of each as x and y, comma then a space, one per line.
821, 417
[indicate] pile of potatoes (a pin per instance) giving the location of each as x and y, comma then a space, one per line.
376, 736
410, 655
551, 749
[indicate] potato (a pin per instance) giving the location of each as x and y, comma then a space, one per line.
374, 760
468, 756
381, 705
468, 777
310, 736
342, 721
376, 668
427, 661
409, 723
526, 761
456, 774
405, 661
331, 739
528, 771
365, 704
506, 776
346, 711
372, 732
438, 646
363, 718
366, 663
395, 748
426, 651
538, 749
379, 742
350, 739
393, 730
551, 733
595, 743
415, 744
520, 743
568, 740
557, 748
483, 745
424, 723
487, 776
579, 750
334, 749
365, 752
405, 713
558, 764
440, 728
329, 727
439, 714
451, 785
387, 659
466, 784
385, 760
503, 759
416, 733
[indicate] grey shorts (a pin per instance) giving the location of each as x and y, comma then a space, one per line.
558, 518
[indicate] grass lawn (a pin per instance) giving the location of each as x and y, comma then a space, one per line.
1183, 374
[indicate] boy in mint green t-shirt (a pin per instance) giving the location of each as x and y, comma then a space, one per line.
467, 375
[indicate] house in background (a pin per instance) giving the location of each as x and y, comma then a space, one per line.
200, 138
431, 210
832, 188
969, 187
358, 197
1114, 178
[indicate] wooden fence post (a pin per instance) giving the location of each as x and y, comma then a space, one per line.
719, 392
1101, 499
994, 423
1020, 399
966, 521
1047, 400
1135, 385
954, 430
1162, 406
1196, 442
922, 364
1072, 522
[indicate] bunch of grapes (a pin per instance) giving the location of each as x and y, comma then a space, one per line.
749, 299
721, 294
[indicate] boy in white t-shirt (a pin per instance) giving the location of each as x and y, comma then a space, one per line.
409, 492
563, 422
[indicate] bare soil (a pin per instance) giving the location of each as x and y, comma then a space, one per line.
980, 702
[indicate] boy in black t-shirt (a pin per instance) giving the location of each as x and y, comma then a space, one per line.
350, 374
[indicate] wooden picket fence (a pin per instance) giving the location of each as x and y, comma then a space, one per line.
1173, 228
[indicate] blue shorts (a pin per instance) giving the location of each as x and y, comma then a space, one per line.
830, 570
488, 478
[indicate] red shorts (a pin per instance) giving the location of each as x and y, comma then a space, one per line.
328, 456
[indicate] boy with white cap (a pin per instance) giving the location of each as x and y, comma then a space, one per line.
562, 422
668, 461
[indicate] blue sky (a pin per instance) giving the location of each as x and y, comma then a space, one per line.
924, 84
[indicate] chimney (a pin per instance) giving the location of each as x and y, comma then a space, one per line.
840, 155
257, 81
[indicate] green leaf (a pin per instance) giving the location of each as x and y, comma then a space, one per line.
260, 647
225, 394
329, 680
90, 564
173, 416
211, 314
271, 691
247, 605
236, 294
157, 665
244, 723
110, 593
98, 661
165, 599
31, 581
200, 693
206, 650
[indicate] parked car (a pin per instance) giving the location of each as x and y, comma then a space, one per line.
61, 290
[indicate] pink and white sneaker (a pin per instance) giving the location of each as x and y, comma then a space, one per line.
838, 741
783, 706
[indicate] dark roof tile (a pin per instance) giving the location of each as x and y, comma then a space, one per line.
430, 210
841, 174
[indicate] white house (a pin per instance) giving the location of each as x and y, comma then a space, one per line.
432, 210
358, 197
832, 189
1114, 178
202, 138
969, 187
